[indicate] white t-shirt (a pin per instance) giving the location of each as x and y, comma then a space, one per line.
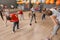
56, 13
32, 9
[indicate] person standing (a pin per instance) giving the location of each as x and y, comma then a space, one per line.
15, 20
33, 15
6, 13
43, 13
1, 10
55, 16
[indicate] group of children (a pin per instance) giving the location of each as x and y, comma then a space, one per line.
55, 16
13, 17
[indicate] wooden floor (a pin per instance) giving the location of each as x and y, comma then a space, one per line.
38, 31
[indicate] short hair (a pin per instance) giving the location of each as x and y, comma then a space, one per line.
49, 13
44, 9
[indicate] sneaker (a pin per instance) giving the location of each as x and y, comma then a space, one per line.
30, 24
14, 31
17, 28
35, 22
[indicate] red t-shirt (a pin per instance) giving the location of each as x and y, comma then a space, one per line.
14, 18
20, 12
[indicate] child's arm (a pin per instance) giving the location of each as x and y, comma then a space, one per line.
17, 12
54, 20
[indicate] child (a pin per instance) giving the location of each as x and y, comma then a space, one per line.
1, 10
43, 15
15, 20
6, 13
33, 15
21, 14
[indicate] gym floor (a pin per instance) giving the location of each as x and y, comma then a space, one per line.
38, 31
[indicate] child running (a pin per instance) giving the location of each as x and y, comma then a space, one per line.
33, 15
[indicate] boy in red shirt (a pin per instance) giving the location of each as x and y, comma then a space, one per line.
15, 20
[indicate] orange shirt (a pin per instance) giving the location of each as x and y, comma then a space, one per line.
14, 18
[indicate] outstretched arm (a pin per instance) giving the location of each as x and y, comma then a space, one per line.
54, 19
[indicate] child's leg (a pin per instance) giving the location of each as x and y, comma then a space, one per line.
55, 29
35, 18
54, 32
31, 19
14, 25
18, 25
2, 16
43, 16
29, 15
22, 16
6, 21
